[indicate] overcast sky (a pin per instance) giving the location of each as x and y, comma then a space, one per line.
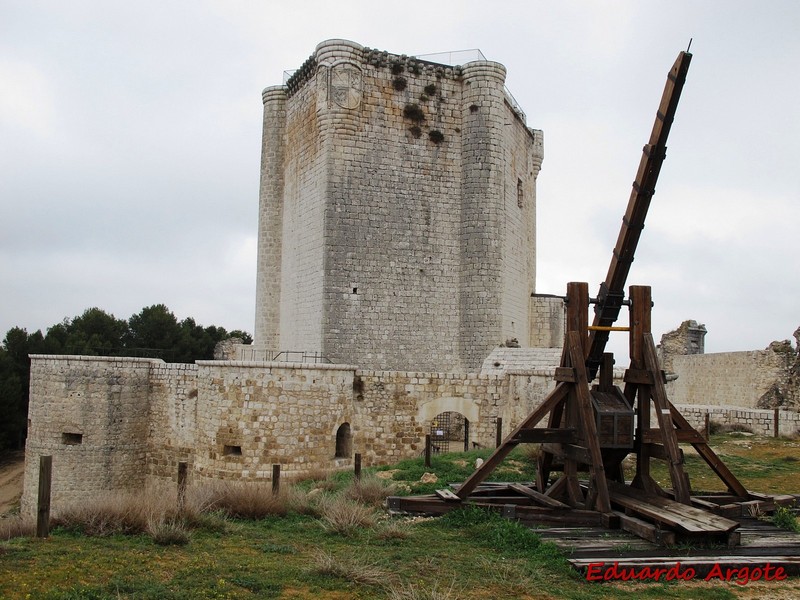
130, 140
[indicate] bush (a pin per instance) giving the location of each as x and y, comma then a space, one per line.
784, 518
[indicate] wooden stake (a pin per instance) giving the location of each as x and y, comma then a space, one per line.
428, 450
182, 471
466, 435
775, 424
43, 510
498, 437
276, 479
357, 466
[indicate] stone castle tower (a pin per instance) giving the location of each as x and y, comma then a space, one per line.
397, 212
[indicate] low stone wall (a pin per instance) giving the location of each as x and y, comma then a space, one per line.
758, 421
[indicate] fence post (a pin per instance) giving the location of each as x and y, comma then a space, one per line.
428, 450
775, 423
43, 505
707, 427
499, 434
466, 435
357, 466
182, 470
276, 479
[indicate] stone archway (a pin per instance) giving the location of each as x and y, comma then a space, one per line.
344, 441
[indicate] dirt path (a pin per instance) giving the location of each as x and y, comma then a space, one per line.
12, 468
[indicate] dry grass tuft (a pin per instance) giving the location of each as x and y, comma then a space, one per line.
341, 515
248, 500
370, 490
118, 512
356, 571
168, 531
393, 530
16, 526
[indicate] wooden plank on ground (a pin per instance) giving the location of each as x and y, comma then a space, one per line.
645, 530
699, 520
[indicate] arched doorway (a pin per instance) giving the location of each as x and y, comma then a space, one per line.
449, 432
344, 441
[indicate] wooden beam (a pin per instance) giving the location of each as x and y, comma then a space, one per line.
589, 426
708, 455
544, 435
680, 481
537, 496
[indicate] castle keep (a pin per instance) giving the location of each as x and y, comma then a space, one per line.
397, 212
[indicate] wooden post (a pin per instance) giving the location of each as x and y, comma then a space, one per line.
276, 479
357, 466
428, 450
43, 511
182, 470
775, 423
499, 433
707, 427
466, 435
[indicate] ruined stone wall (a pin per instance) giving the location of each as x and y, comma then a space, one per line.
91, 415
726, 378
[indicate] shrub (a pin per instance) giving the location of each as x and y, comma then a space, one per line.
399, 83
436, 136
414, 113
785, 518
343, 516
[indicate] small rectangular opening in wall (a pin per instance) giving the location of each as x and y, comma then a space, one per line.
71, 439
232, 451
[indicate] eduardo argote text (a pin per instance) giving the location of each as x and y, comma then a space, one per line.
601, 571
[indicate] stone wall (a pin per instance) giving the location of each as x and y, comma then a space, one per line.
548, 320
120, 424
729, 378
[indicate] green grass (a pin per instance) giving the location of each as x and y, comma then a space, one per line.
468, 554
